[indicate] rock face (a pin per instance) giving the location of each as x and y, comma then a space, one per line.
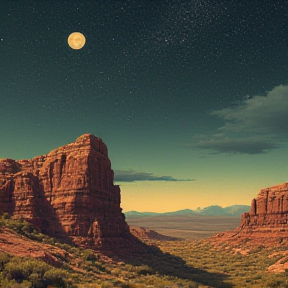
267, 219
269, 210
68, 193
266, 225
148, 235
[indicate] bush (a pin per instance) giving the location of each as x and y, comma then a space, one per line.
89, 255
107, 284
36, 272
4, 258
13, 284
144, 270
56, 277
275, 283
18, 225
21, 269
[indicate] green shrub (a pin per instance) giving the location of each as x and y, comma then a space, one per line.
89, 255
13, 284
107, 284
4, 259
275, 283
56, 277
36, 272
144, 270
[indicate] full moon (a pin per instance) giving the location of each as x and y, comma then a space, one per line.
76, 40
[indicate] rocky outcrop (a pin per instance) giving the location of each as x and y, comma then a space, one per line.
265, 224
269, 211
148, 235
68, 193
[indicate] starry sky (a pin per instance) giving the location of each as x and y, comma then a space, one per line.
190, 96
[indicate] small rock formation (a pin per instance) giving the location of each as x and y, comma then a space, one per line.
148, 235
68, 193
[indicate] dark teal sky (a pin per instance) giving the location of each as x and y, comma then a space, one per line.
178, 90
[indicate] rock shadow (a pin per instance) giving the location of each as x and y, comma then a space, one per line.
48, 219
33, 206
139, 254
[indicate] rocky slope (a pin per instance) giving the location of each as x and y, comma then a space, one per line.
68, 193
148, 235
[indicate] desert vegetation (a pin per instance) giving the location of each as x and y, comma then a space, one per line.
22, 272
84, 267
168, 264
248, 270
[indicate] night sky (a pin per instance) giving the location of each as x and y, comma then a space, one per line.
190, 96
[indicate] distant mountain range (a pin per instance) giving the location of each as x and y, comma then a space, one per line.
214, 210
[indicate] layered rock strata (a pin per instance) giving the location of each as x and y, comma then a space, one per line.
269, 211
267, 221
67, 193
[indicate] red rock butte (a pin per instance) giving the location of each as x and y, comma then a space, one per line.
269, 211
68, 193
267, 221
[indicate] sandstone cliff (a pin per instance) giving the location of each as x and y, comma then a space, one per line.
266, 223
67, 193
268, 213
